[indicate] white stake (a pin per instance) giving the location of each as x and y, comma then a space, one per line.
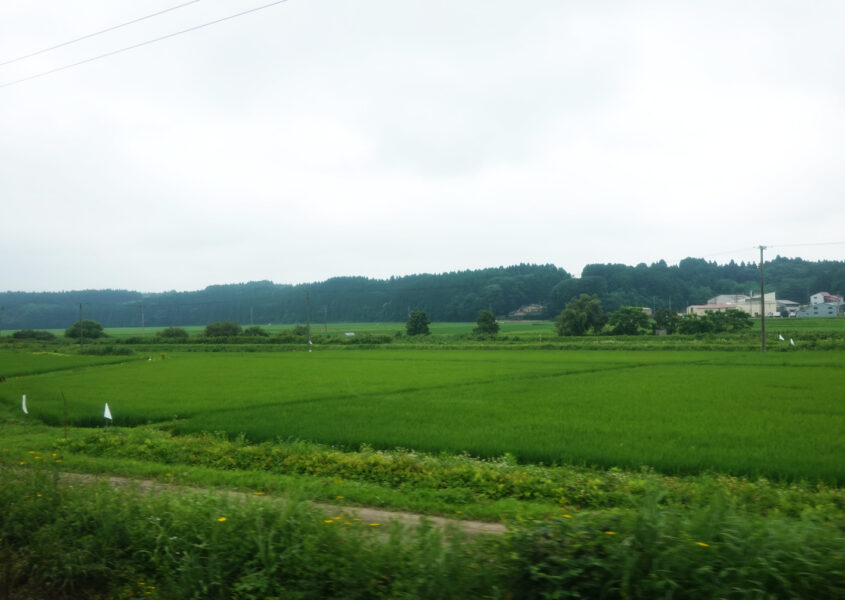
23, 405
107, 412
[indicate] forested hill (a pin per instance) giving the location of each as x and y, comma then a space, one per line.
456, 296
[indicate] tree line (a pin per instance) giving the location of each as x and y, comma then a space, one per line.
454, 296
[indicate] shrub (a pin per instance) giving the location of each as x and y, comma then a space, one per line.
255, 330
90, 330
32, 334
109, 350
222, 329
173, 334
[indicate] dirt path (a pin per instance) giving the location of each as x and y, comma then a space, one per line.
370, 515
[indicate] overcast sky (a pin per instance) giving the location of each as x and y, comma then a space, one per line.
319, 138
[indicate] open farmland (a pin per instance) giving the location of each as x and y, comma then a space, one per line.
778, 415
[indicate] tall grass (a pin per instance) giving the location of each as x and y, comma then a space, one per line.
90, 541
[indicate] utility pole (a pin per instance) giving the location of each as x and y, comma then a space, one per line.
308, 316
762, 304
80, 324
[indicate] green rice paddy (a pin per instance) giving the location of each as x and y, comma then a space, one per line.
778, 415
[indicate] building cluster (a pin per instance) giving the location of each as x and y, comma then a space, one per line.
821, 304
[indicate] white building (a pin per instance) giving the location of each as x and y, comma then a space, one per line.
728, 299
750, 304
825, 298
770, 305
821, 309
703, 309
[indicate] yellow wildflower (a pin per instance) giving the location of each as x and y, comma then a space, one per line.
610, 533
703, 544
221, 519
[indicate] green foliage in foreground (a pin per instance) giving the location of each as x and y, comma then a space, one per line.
90, 541
457, 480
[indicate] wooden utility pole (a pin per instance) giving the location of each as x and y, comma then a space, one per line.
308, 316
762, 304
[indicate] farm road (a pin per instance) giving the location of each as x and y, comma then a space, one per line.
370, 515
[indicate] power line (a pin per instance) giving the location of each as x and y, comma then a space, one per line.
134, 46
90, 35
812, 244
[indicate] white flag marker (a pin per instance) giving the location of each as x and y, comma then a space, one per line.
791, 341
23, 405
780, 337
107, 412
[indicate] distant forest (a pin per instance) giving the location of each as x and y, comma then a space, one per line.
456, 296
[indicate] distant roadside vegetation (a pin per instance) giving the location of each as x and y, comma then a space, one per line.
626, 328
32, 334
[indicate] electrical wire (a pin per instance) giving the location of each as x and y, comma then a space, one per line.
139, 45
813, 244
90, 35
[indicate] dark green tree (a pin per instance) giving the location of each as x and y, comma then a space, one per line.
222, 329
580, 316
737, 320
90, 330
418, 323
299, 330
255, 331
667, 319
731, 321
629, 320
694, 324
175, 334
486, 324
